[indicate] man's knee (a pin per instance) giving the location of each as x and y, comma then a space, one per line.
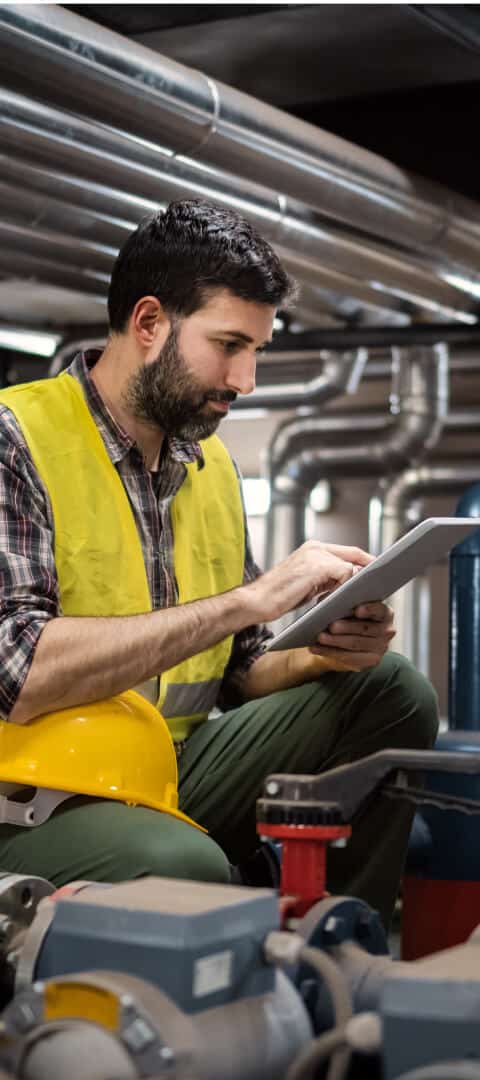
413, 698
179, 852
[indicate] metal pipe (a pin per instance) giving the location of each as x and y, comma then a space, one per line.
23, 205
51, 197
79, 254
395, 499
52, 52
394, 509
418, 403
300, 454
340, 375
55, 273
335, 295
307, 248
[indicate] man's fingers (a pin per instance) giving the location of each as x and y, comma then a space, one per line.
351, 643
377, 611
360, 628
354, 555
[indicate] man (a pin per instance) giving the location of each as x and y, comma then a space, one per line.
129, 432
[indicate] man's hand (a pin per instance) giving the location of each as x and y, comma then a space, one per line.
360, 641
312, 569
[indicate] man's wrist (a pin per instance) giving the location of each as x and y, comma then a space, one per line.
249, 604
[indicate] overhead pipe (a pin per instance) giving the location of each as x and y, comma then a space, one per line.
78, 253
461, 363
392, 508
307, 248
340, 375
53, 52
418, 403
46, 193
52, 272
22, 205
360, 306
300, 455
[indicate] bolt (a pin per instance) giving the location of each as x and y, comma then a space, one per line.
166, 1053
272, 788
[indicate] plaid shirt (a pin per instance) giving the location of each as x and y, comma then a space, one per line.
29, 594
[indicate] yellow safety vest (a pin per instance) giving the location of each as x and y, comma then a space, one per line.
98, 554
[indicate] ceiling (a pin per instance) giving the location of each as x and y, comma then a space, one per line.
397, 79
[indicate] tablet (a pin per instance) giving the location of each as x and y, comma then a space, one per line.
401, 562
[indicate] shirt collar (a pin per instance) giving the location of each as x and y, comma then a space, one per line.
117, 441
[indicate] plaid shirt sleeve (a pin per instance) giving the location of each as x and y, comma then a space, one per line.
248, 645
28, 581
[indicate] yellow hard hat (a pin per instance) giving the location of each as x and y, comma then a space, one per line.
120, 748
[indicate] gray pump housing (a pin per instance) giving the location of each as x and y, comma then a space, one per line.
201, 944
431, 1009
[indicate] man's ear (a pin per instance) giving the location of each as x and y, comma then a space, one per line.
149, 322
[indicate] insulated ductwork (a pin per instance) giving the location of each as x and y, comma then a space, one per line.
33, 195
80, 254
300, 454
54, 52
143, 177
52, 272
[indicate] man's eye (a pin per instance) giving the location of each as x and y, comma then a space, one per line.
229, 346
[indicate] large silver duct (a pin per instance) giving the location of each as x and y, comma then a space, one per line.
38, 194
79, 254
52, 272
300, 455
134, 171
360, 309
21, 204
66, 60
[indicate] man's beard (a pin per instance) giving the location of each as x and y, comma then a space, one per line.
166, 394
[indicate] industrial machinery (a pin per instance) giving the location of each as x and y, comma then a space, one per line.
158, 978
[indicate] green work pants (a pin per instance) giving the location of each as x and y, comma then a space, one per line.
308, 729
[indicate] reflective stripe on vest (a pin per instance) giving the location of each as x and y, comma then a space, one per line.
98, 553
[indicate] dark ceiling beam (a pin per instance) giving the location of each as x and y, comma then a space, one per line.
374, 337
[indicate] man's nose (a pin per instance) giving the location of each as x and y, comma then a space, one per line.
241, 376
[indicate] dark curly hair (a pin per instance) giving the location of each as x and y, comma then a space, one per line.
182, 253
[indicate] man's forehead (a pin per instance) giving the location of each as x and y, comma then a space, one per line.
247, 319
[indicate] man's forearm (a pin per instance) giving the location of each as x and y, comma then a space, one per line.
281, 671
78, 660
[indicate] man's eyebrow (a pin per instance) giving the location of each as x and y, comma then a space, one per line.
246, 338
